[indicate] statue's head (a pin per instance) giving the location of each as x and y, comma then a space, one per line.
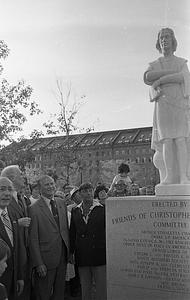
172, 35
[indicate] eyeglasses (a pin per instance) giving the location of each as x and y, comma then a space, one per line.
3, 189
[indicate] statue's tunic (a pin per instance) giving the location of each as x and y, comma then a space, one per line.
171, 112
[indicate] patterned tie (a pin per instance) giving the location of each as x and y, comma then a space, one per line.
54, 211
8, 226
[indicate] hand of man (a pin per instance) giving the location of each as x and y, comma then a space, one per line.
25, 222
20, 286
41, 270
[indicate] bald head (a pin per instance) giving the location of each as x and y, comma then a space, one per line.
14, 174
9, 171
5, 179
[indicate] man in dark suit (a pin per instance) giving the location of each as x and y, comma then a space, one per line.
18, 208
49, 242
88, 243
12, 278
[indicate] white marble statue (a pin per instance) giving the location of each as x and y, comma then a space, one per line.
169, 77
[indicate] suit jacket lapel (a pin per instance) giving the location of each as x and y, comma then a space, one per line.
22, 205
47, 211
62, 213
15, 205
93, 215
79, 217
4, 234
14, 227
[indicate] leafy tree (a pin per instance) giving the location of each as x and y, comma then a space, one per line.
36, 134
14, 100
18, 153
65, 121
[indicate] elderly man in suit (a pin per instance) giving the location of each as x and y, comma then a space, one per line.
49, 242
19, 210
88, 243
12, 278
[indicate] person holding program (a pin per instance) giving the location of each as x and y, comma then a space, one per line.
169, 77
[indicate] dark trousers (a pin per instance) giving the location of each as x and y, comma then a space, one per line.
75, 281
25, 295
52, 286
7, 281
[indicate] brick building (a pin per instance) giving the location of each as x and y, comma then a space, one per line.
95, 156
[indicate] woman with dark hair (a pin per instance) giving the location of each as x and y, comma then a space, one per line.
100, 193
169, 78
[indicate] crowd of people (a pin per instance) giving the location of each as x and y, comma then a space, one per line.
50, 237
122, 185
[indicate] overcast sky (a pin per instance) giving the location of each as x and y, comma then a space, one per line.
102, 47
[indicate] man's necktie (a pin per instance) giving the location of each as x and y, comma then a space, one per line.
54, 211
8, 226
20, 202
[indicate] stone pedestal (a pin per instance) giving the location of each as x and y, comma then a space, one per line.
173, 190
148, 248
